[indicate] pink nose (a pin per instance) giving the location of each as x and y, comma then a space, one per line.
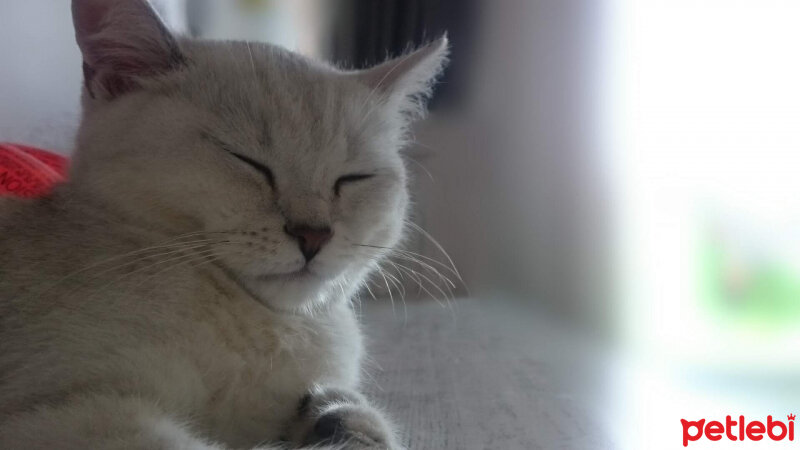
310, 239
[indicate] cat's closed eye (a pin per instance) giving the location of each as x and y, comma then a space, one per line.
352, 178
261, 168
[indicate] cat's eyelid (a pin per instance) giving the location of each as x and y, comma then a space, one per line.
350, 178
355, 176
263, 169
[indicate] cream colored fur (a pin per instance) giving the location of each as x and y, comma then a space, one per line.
155, 301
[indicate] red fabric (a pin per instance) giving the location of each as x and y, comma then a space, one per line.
29, 172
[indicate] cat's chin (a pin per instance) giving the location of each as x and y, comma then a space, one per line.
288, 291
303, 274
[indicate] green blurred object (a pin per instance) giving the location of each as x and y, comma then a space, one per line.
761, 294
255, 5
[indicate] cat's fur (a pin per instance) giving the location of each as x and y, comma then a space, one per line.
155, 300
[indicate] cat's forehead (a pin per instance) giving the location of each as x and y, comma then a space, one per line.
265, 93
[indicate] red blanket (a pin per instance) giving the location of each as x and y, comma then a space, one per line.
29, 172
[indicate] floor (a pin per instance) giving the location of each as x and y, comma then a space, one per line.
480, 376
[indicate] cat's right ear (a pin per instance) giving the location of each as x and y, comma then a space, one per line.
122, 42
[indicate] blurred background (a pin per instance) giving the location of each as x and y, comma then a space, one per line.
624, 169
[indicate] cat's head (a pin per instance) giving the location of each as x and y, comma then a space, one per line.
292, 166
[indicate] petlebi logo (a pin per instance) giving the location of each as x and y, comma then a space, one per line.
738, 430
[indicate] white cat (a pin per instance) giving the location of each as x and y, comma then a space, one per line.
189, 287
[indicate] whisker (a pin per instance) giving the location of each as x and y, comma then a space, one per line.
396, 282
436, 243
426, 266
391, 297
252, 63
366, 285
422, 287
139, 270
449, 285
202, 254
137, 253
401, 290
202, 259
145, 257
420, 280
416, 255
419, 164
445, 296
175, 262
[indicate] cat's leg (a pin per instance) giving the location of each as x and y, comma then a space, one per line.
101, 422
342, 417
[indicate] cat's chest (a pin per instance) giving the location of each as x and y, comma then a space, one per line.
262, 345
257, 363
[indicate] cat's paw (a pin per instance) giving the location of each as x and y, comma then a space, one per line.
352, 427
343, 418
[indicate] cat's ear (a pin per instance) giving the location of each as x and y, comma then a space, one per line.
408, 79
122, 42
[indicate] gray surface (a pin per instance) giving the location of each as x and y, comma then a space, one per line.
479, 377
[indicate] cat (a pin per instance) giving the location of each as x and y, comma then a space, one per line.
189, 286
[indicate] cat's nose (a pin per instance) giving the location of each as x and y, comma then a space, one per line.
311, 239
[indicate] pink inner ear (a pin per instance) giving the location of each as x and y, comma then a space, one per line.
88, 16
121, 40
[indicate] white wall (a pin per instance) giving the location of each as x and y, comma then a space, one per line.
519, 197
297, 25
40, 73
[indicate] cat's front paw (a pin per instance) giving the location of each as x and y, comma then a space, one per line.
330, 416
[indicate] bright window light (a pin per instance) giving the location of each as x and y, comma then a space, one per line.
702, 108
704, 103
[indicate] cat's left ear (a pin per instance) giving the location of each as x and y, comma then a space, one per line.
122, 42
408, 79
